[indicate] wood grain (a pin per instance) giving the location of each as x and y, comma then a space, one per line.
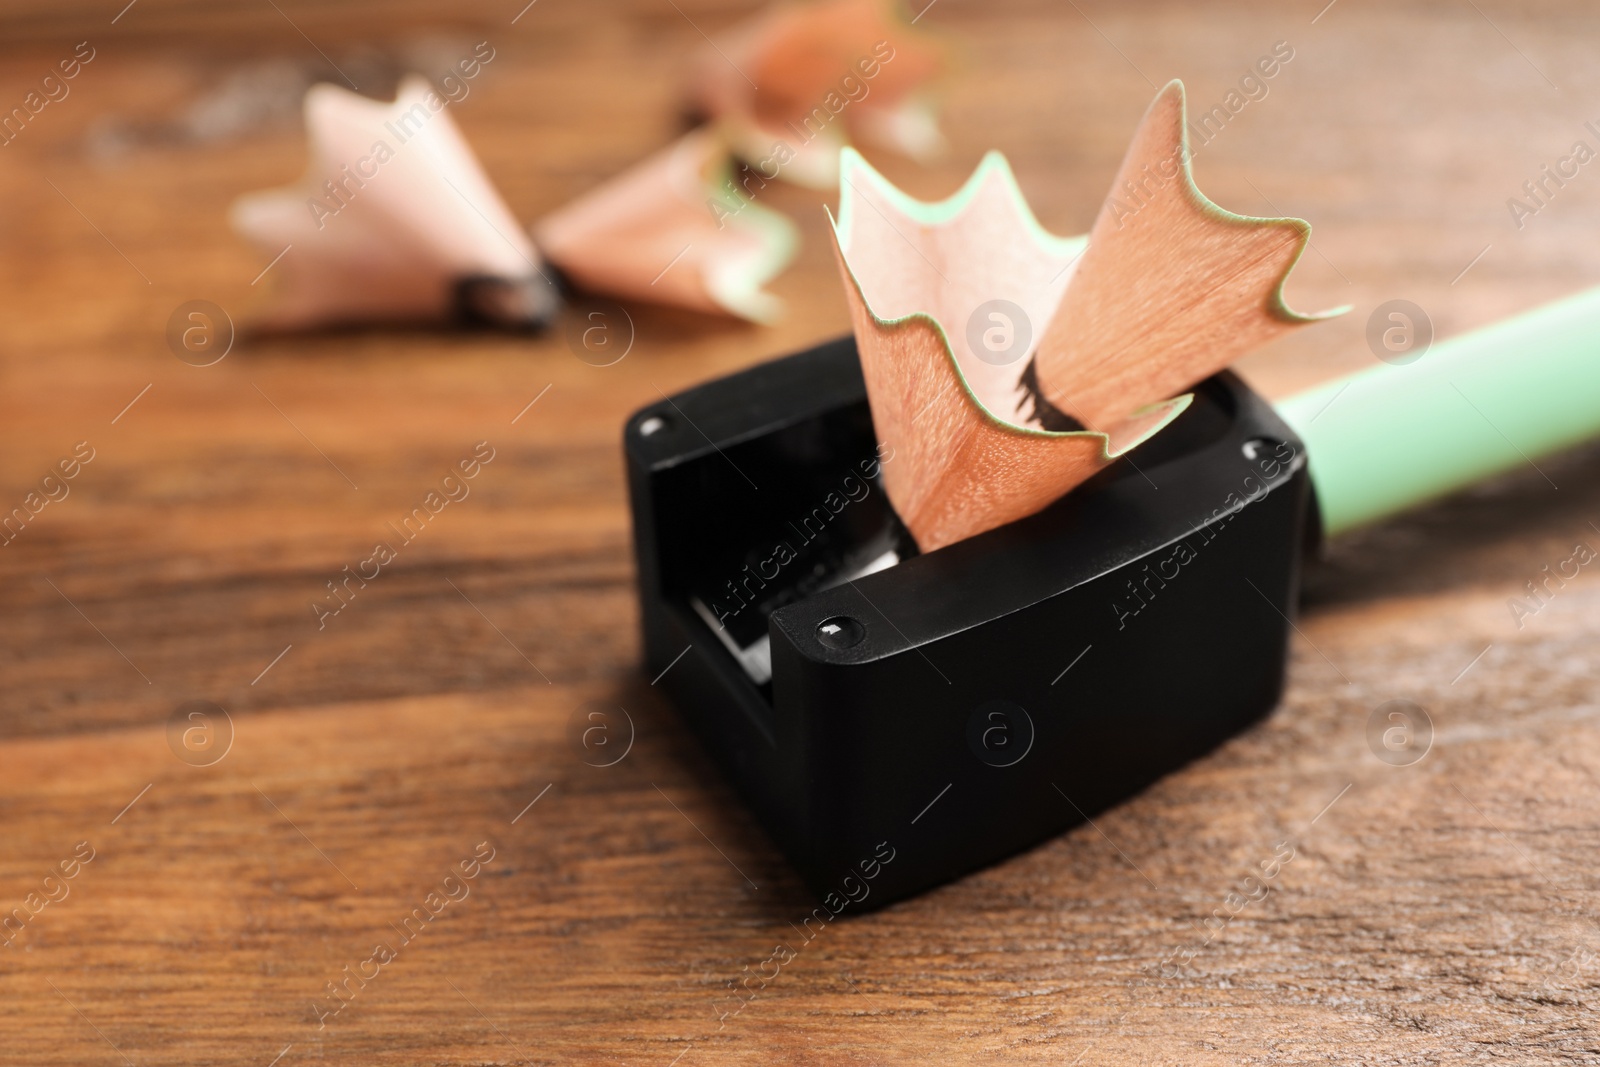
1440, 913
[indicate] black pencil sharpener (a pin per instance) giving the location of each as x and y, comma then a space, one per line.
898, 719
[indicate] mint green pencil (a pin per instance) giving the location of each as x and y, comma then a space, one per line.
1393, 437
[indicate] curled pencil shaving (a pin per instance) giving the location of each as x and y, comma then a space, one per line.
793, 85
672, 230
394, 220
916, 275
974, 327
1171, 289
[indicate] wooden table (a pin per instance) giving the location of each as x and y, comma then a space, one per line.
1439, 912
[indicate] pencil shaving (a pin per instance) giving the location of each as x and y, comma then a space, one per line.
1171, 289
792, 86
1008, 365
669, 231
965, 460
394, 221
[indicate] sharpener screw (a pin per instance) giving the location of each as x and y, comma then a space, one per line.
841, 631
1257, 447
